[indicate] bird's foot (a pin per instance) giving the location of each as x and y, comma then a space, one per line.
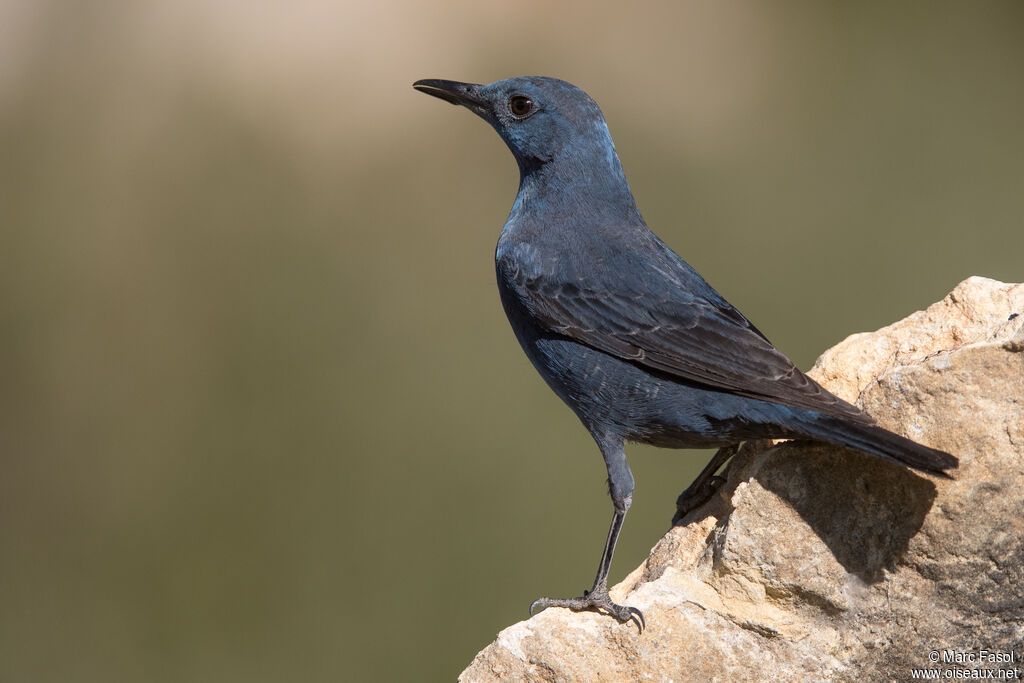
695, 496
597, 600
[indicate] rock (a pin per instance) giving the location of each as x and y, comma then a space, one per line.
814, 562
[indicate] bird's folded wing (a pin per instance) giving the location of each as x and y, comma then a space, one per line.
690, 338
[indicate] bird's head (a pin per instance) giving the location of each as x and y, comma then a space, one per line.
540, 119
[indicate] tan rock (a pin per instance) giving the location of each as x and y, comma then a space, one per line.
815, 562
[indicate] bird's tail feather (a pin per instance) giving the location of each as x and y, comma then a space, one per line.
881, 442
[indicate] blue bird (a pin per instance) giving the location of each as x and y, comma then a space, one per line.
623, 330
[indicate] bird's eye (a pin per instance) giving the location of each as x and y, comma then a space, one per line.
521, 106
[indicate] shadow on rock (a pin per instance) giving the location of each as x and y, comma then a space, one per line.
865, 513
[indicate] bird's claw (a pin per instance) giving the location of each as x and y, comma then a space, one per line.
692, 498
594, 600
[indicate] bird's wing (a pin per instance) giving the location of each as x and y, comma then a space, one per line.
696, 338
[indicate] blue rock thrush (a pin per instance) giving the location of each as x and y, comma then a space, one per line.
626, 332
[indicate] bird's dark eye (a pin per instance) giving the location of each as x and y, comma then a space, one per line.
521, 106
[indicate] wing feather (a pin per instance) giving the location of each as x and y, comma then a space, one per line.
695, 338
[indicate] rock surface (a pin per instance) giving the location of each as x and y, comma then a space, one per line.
814, 562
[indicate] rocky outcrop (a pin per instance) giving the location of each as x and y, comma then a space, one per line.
814, 562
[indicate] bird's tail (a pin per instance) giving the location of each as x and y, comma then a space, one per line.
883, 443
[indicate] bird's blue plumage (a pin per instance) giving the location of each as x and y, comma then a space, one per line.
620, 327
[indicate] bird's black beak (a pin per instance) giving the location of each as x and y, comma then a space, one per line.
465, 94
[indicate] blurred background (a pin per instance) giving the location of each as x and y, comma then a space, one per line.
261, 415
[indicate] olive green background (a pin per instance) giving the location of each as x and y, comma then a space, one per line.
261, 415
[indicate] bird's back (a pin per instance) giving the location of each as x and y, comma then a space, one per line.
618, 289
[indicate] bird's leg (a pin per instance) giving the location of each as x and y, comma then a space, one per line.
704, 486
620, 484
597, 597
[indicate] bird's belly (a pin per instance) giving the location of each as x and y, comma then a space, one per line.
609, 394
